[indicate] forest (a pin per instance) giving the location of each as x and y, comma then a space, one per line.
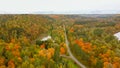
88, 39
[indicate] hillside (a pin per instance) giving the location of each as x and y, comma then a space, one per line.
77, 41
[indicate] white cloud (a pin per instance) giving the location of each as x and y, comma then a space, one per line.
58, 5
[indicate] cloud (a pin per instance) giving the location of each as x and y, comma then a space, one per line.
58, 5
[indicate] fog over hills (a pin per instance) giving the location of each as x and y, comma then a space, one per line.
80, 12
64, 12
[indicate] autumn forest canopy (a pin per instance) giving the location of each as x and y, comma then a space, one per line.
91, 41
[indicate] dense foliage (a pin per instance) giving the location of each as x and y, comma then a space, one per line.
91, 41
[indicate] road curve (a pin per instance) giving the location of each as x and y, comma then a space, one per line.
69, 51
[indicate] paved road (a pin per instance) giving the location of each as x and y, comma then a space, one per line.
69, 51
70, 54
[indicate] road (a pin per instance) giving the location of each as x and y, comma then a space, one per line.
69, 51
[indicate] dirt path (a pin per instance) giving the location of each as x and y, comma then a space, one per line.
70, 54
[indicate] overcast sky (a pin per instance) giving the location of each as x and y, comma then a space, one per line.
58, 5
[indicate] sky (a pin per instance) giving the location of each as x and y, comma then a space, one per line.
58, 5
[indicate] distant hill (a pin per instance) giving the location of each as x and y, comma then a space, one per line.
66, 12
